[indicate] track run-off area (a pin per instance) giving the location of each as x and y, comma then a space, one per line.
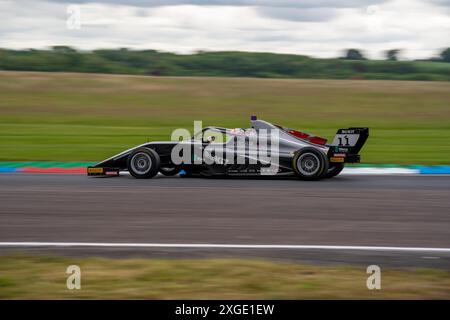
391, 220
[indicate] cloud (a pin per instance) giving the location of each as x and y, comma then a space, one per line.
298, 14
305, 10
233, 3
444, 3
319, 28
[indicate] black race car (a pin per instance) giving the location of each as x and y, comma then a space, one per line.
264, 148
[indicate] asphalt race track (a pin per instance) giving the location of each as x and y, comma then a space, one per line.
391, 211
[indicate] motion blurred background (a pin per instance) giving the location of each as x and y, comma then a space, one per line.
81, 80
108, 74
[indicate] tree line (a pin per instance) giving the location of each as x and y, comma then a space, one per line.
352, 65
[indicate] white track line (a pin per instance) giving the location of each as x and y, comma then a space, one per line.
380, 171
218, 246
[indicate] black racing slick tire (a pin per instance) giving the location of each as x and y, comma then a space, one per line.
310, 164
169, 171
143, 163
334, 170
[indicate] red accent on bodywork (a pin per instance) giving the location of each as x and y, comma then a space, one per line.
305, 136
318, 140
299, 134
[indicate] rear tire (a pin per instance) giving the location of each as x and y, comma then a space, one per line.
169, 171
310, 164
143, 163
334, 170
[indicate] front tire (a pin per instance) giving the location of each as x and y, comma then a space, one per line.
143, 163
310, 164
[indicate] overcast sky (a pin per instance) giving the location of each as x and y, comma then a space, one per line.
320, 28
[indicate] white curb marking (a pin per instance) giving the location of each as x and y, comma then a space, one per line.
219, 246
380, 171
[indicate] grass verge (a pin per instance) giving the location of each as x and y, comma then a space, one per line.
71, 117
44, 277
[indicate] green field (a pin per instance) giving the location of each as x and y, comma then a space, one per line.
63, 116
44, 277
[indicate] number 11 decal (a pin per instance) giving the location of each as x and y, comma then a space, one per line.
346, 141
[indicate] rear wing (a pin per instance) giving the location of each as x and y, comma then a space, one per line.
347, 143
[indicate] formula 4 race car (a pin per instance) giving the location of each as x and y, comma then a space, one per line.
264, 148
